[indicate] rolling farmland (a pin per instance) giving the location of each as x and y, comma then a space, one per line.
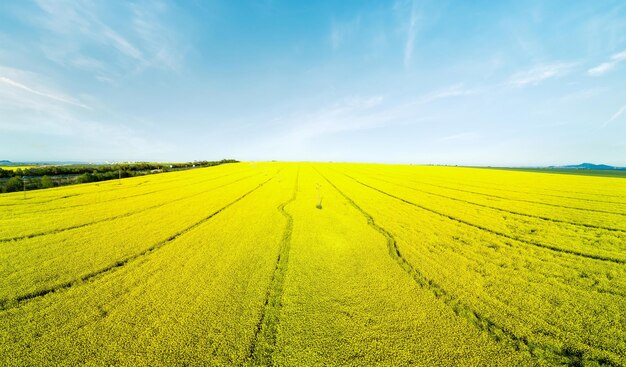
236, 265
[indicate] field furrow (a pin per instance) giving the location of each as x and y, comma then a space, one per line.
465, 201
196, 300
118, 263
102, 199
84, 215
458, 185
346, 302
66, 260
540, 297
282, 264
264, 342
123, 215
500, 233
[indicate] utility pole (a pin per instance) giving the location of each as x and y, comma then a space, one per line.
119, 179
24, 182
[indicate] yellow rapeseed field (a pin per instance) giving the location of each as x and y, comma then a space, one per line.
14, 168
316, 264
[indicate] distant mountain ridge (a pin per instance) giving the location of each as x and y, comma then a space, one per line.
590, 166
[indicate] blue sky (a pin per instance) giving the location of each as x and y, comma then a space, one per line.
456, 82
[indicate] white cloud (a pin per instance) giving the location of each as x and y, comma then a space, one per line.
607, 66
616, 115
580, 95
122, 44
362, 113
358, 113
460, 137
54, 96
619, 56
159, 41
107, 39
601, 69
538, 74
456, 90
411, 33
340, 32
29, 105
350, 114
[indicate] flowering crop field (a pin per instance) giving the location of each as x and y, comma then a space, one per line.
13, 168
313, 264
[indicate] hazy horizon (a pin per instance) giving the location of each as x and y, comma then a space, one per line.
424, 82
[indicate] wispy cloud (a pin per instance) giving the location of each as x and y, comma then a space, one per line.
411, 33
580, 95
347, 115
539, 74
616, 115
363, 113
601, 69
27, 100
340, 32
460, 137
609, 65
87, 36
56, 97
159, 40
122, 44
456, 90
358, 115
30, 105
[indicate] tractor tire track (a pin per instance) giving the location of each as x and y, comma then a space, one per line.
480, 184
506, 210
76, 194
523, 200
107, 219
567, 354
487, 187
551, 195
7, 304
118, 198
497, 233
264, 341
531, 201
42, 202
87, 193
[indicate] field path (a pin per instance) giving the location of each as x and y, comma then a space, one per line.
264, 343
316, 264
346, 302
195, 301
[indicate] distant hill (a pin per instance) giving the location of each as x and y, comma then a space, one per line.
6, 162
584, 169
590, 166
